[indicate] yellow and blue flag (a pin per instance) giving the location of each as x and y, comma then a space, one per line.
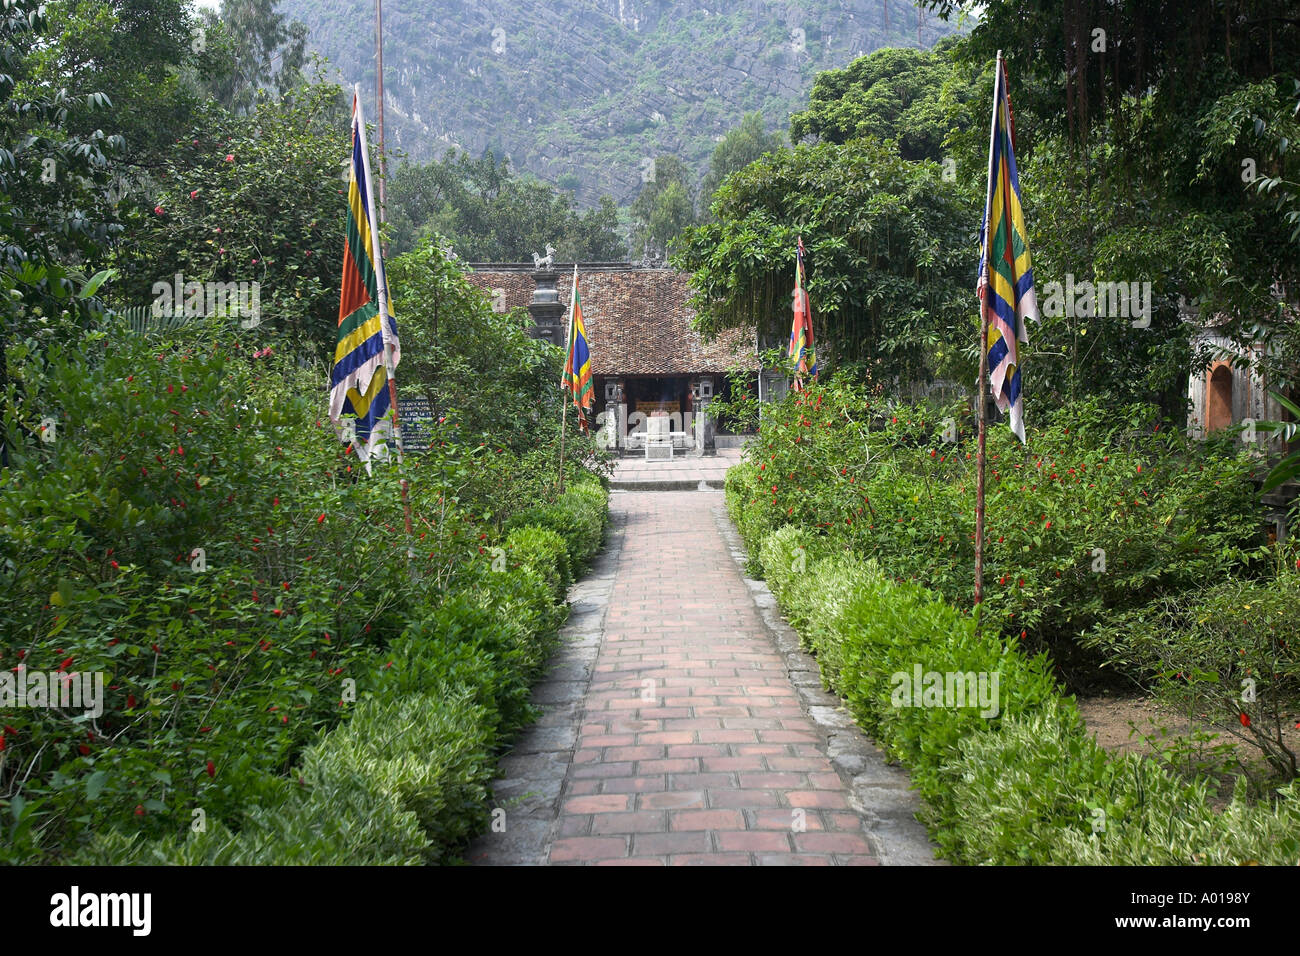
1006, 277
801, 350
577, 366
367, 348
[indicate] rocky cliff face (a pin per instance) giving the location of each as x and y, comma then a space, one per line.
584, 93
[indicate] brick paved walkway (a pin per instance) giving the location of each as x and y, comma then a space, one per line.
693, 745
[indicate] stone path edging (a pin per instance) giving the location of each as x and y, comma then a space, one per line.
531, 777
880, 792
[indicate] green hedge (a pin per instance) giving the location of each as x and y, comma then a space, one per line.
405, 779
1027, 785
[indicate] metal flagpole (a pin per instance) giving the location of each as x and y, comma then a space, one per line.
379, 105
984, 359
566, 383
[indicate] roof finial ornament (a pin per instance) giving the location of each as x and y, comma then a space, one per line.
547, 260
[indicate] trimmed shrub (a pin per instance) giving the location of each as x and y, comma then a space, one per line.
1024, 784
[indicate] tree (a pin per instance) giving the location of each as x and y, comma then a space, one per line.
891, 257
52, 183
131, 51
478, 366
252, 48
740, 147
489, 214
256, 199
891, 94
664, 208
1203, 87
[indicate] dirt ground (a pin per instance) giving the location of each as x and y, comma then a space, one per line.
1108, 719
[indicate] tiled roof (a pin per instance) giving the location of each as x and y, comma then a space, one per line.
638, 322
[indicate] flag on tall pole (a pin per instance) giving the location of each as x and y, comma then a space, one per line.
367, 349
1006, 277
1006, 292
801, 351
577, 364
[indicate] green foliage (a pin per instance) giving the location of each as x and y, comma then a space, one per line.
740, 147
279, 168
1026, 784
665, 206
1176, 153
1108, 510
488, 214
889, 95
1224, 652
573, 518
888, 249
252, 47
137, 54
493, 381
544, 551
222, 667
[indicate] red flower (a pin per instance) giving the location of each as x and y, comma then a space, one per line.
212, 769
1245, 720
130, 701
139, 809
320, 519
158, 210
85, 751
230, 157
194, 193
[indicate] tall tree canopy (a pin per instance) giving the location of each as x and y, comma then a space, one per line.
488, 214
740, 147
890, 254
891, 94
1208, 88
664, 208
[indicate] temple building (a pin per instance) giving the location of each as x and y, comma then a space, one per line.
647, 361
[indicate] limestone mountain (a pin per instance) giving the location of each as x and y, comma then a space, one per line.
583, 93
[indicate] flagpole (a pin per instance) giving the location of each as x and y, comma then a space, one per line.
983, 375
379, 109
566, 382
381, 285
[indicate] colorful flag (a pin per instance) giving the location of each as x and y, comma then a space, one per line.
801, 350
367, 349
1006, 279
577, 366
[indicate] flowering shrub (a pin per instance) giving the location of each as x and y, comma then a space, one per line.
1026, 784
1227, 651
1103, 510
195, 532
